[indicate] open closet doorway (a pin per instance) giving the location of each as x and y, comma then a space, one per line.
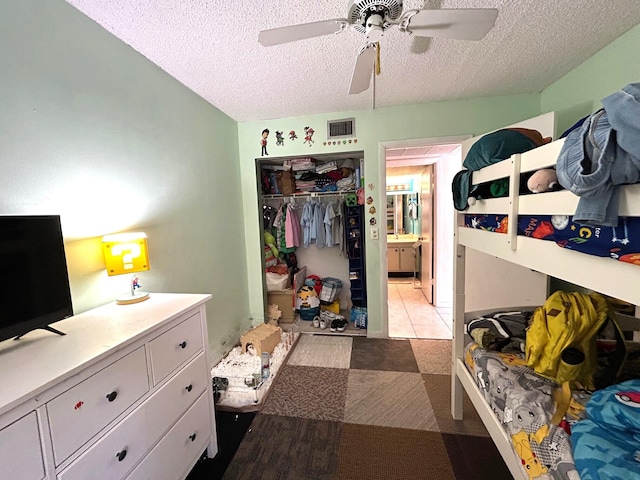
420, 238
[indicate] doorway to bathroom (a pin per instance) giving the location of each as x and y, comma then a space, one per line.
420, 239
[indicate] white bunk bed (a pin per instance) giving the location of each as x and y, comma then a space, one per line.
600, 274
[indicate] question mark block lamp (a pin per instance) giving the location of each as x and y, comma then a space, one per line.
127, 253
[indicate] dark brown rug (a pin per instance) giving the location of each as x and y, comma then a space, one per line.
383, 354
308, 392
383, 453
286, 448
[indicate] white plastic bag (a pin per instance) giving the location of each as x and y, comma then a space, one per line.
277, 282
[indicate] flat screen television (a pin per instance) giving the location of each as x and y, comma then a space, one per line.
34, 282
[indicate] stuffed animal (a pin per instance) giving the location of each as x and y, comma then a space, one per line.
270, 242
543, 180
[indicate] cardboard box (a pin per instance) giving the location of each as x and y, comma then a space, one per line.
284, 300
264, 338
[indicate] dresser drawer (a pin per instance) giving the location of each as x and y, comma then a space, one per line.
85, 409
178, 451
168, 404
125, 445
115, 454
174, 347
20, 451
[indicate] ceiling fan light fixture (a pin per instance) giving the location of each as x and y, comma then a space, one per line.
374, 28
361, 10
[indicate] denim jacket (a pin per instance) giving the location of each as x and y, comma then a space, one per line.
601, 155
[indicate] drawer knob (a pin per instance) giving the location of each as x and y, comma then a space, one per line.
121, 455
192, 437
188, 388
183, 345
112, 396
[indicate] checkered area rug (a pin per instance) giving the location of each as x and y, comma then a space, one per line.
359, 408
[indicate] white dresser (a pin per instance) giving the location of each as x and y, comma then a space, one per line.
125, 394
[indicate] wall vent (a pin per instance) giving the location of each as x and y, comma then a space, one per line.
341, 128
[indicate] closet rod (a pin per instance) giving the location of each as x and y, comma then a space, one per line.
276, 196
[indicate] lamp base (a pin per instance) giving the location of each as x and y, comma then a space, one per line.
128, 299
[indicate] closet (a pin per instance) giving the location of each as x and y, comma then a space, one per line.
322, 188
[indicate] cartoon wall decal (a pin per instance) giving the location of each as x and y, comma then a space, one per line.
372, 221
263, 141
308, 135
372, 210
292, 135
371, 186
279, 138
369, 200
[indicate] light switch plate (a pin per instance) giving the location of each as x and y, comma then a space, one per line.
375, 234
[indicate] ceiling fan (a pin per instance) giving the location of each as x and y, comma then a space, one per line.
374, 17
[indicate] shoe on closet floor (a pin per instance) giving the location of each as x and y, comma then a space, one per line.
323, 324
342, 325
316, 321
327, 315
334, 325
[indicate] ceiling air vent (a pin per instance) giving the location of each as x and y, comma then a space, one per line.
341, 128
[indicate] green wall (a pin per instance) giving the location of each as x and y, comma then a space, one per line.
373, 127
93, 131
579, 92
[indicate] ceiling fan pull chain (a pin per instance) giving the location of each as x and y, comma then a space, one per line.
377, 58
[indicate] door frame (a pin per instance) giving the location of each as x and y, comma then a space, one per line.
382, 154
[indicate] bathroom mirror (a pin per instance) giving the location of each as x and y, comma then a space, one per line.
403, 214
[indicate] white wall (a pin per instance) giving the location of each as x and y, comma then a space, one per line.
445, 168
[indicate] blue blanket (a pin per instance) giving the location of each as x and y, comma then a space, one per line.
606, 445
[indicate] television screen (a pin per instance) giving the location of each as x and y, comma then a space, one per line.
34, 283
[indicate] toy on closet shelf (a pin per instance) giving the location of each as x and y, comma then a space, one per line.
543, 180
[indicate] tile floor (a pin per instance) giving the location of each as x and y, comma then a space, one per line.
411, 316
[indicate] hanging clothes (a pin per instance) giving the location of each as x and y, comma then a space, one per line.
268, 216
292, 227
337, 225
329, 216
319, 224
278, 221
305, 222
343, 237
313, 229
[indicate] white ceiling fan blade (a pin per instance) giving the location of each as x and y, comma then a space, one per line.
293, 33
363, 69
462, 24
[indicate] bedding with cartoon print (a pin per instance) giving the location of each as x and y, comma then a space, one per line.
620, 243
526, 405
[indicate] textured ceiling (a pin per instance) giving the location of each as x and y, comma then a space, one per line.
211, 47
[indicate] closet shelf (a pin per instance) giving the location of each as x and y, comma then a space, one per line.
309, 194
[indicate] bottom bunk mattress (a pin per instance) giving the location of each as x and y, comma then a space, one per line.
620, 243
536, 413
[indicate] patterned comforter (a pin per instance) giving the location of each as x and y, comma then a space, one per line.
526, 404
